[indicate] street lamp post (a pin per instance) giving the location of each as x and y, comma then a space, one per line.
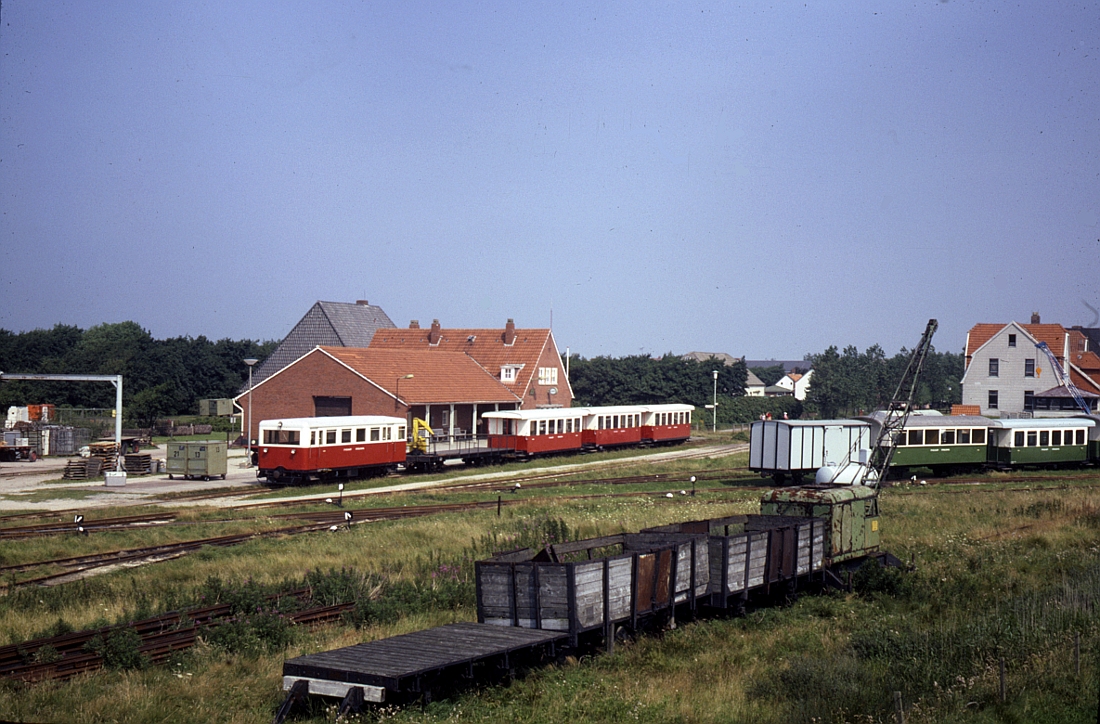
715, 415
250, 362
397, 393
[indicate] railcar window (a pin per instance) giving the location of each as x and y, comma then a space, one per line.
345, 436
1044, 437
1018, 440
899, 439
401, 433
1080, 437
387, 433
964, 437
1056, 437
312, 437
360, 434
1032, 438
916, 437
615, 421
979, 437
542, 427
948, 437
330, 437
931, 437
280, 437
375, 434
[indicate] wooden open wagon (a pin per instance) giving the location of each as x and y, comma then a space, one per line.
753, 552
595, 584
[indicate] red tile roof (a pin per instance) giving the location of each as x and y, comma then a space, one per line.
1053, 334
438, 376
484, 345
973, 410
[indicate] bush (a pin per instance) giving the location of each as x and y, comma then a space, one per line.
120, 650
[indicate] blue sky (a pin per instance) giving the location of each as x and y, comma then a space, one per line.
759, 179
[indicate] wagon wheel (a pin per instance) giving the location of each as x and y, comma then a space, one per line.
170, 477
33, 457
205, 478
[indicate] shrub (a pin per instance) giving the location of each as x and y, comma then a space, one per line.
120, 650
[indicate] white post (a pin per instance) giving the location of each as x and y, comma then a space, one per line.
118, 422
715, 414
250, 362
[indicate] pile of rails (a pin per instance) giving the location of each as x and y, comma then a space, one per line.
68, 655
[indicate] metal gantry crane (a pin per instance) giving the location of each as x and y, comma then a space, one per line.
1064, 380
897, 412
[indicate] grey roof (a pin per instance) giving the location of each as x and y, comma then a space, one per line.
328, 324
751, 380
789, 365
723, 357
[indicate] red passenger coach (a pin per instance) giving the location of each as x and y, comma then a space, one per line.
666, 424
302, 449
612, 426
536, 432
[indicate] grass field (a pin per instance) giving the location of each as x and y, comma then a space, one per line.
1003, 571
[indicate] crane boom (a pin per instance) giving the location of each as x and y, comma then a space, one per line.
897, 413
1063, 378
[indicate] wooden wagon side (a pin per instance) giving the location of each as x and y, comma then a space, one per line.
593, 584
750, 552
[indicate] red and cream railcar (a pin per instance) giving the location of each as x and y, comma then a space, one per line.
612, 426
301, 449
536, 432
666, 424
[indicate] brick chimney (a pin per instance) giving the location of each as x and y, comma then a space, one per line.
362, 302
1035, 318
510, 333
415, 324
435, 334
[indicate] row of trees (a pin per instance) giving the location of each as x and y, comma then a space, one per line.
161, 377
849, 382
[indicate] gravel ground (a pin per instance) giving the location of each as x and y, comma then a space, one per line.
27, 486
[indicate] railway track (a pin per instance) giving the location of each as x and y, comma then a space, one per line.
66, 656
55, 527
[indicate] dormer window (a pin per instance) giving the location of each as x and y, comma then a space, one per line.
508, 372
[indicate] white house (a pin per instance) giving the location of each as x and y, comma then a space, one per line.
796, 384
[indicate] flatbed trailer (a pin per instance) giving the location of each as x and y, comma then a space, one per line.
16, 453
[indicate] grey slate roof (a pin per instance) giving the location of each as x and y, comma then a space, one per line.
723, 357
328, 324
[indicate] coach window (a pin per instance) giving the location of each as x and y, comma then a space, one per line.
312, 437
1080, 437
360, 434
1018, 439
1056, 437
899, 439
1044, 437
345, 436
542, 427
330, 437
964, 437
931, 437
979, 436
1032, 438
947, 438
387, 433
375, 434
401, 433
916, 437
992, 400
994, 367
1029, 368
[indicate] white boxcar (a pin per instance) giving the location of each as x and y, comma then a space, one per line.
797, 448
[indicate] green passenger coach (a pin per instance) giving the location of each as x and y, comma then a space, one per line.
1042, 441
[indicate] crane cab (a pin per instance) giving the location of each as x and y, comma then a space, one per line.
850, 513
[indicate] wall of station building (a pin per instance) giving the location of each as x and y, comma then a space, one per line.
538, 394
291, 392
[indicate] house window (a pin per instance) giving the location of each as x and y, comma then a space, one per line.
1029, 368
992, 405
548, 375
1011, 340
1029, 399
994, 367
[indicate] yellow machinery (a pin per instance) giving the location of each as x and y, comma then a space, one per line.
421, 433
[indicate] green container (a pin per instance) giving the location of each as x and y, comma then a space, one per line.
850, 512
197, 459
